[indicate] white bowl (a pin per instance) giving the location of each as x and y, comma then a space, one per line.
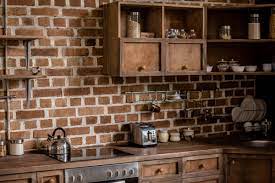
209, 68
251, 68
238, 68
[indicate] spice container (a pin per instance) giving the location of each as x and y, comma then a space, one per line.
272, 24
254, 27
133, 25
163, 136
175, 137
3, 148
16, 147
192, 34
225, 32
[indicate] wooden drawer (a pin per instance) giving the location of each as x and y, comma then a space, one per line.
160, 169
207, 179
56, 176
163, 180
19, 178
202, 165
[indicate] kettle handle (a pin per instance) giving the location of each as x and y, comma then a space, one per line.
59, 128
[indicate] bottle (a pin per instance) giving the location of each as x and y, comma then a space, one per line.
3, 148
133, 25
254, 27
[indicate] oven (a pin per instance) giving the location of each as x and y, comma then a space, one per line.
115, 173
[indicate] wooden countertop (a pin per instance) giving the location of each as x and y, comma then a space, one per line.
31, 162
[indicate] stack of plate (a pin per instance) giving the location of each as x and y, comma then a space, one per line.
250, 110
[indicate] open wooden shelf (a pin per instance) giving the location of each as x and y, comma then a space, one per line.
22, 38
20, 77
241, 41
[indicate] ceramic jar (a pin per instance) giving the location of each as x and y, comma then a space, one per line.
175, 137
163, 136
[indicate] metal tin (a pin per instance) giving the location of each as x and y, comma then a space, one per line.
17, 141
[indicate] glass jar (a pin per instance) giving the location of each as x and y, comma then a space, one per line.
163, 136
192, 34
254, 27
133, 25
225, 32
3, 148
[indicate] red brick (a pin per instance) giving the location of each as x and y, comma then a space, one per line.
105, 90
43, 21
59, 2
90, 3
44, 42
42, 62
30, 124
44, 2
89, 71
21, 2
76, 91
20, 135
91, 140
75, 12
119, 109
17, 11
92, 32
91, 120
89, 22
106, 128
59, 72
62, 122
43, 82
13, 21
90, 101
59, 82
47, 123
78, 130
42, 133
85, 111
44, 52
75, 2
105, 138
47, 92
60, 32
75, 121
60, 42
61, 102
119, 118
44, 11
76, 141
74, 22
75, 101
105, 119
132, 117
75, 52
103, 100
29, 114
27, 21
62, 112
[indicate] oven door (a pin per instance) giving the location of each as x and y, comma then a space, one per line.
130, 180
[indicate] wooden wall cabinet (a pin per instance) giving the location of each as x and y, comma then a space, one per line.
248, 169
156, 56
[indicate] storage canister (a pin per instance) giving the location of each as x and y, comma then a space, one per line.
16, 147
254, 27
3, 148
133, 25
163, 136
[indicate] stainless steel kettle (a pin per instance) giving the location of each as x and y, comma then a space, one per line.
60, 148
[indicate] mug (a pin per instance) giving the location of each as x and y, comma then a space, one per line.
267, 67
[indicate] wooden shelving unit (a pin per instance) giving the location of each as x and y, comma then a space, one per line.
161, 56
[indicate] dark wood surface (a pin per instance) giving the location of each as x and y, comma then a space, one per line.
39, 162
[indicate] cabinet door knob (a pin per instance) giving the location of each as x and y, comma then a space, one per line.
51, 180
159, 171
233, 162
201, 166
184, 67
141, 68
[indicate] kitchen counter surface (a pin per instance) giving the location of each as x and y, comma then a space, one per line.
31, 162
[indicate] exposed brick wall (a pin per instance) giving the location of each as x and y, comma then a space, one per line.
77, 97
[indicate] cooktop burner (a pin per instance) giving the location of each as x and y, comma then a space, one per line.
96, 153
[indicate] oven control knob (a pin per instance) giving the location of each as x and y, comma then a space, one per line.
131, 172
116, 174
72, 179
109, 174
80, 178
124, 172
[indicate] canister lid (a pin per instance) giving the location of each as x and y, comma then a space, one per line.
2, 142
16, 141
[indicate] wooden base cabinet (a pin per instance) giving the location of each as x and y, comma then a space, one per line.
19, 178
56, 176
207, 179
248, 169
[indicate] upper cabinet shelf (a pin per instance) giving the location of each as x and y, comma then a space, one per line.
23, 38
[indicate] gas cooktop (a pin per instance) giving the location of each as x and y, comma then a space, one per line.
94, 153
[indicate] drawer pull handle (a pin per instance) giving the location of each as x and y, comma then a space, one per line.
201, 166
52, 180
141, 68
233, 162
159, 171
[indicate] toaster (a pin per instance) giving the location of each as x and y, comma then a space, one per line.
143, 134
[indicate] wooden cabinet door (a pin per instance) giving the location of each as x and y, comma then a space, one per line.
249, 170
55, 176
160, 170
202, 165
183, 57
19, 178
